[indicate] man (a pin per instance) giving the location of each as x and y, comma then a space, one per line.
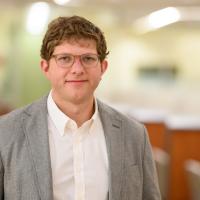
69, 145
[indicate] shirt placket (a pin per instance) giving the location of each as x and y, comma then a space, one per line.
78, 167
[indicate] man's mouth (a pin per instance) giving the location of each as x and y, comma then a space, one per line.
75, 81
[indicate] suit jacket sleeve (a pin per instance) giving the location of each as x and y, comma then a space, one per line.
150, 187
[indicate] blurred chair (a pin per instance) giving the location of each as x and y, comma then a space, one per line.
192, 168
162, 166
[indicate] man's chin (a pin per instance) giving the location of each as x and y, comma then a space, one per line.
75, 99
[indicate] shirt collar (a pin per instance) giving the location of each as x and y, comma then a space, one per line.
61, 120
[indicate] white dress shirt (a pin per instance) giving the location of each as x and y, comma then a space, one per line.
78, 156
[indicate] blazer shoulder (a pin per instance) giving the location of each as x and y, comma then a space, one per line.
11, 117
14, 115
11, 123
10, 126
129, 123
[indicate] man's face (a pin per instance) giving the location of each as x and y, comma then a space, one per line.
75, 84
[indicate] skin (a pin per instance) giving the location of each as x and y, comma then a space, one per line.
73, 88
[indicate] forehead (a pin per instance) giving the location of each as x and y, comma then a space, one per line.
71, 45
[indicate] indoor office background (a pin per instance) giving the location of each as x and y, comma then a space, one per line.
153, 74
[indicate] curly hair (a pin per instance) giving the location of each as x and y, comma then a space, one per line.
75, 27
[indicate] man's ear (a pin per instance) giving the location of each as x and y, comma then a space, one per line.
104, 66
44, 65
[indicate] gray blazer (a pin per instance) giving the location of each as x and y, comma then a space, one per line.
25, 167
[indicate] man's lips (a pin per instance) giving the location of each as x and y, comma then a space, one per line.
75, 81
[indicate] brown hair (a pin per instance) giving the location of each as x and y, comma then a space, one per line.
75, 27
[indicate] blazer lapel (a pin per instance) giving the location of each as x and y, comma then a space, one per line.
36, 131
115, 148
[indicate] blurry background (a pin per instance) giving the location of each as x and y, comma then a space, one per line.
153, 74
154, 68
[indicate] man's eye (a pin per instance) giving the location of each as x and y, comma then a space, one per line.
65, 58
89, 58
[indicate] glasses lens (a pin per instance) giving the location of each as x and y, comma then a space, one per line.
65, 60
89, 60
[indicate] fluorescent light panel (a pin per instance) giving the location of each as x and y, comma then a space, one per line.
157, 19
61, 2
163, 17
37, 17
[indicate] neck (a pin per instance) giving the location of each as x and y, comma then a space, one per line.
79, 112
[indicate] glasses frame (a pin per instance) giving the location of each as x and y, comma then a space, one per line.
55, 56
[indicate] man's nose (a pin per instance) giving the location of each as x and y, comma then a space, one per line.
77, 66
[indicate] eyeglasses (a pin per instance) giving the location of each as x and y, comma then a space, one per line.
67, 60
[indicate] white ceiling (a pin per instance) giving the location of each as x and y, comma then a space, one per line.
134, 4
125, 10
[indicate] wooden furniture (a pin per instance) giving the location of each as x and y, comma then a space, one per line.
154, 122
4, 108
183, 143
156, 131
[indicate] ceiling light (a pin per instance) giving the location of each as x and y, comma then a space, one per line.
37, 17
157, 20
61, 2
163, 17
